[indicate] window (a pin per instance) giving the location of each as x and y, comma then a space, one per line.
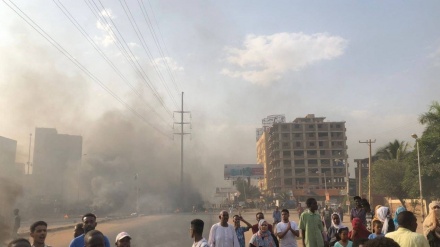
325, 162
313, 162
287, 172
299, 162
321, 144
319, 126
310, 126
287, 181
300, 172
322, 152
286, 144
298, 153
287, 162
296, 126
338, 126
311, 134
298, 144
312, 144
286, 153
311, 152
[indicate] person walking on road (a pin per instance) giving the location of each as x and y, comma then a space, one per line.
240, 230
223, 234
255, 228
358, 211
327, 217
263, 238
89, 221
38, 233
17, 223
311, 225
276, 215
196, 232
287, 230
123, 240
406, 235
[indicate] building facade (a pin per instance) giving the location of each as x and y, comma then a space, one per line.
55, 162
8, 150
306, 157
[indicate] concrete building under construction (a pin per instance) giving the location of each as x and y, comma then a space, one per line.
306, 157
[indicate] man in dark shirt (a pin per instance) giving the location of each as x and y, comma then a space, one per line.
260, 216
358, 211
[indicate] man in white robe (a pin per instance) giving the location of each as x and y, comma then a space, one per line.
223, 234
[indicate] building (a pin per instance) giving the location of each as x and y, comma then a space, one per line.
55, 162
306, 157
8, 151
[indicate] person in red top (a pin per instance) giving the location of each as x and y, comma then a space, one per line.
260, 216
359, 230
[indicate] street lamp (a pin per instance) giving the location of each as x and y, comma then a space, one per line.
420, 176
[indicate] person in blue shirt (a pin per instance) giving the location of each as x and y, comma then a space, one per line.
377, 229
89, 221
240, 230
276, 216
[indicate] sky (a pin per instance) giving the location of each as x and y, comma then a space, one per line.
373, 64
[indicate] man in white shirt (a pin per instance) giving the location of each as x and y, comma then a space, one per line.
287, 230
222, 234
196, 231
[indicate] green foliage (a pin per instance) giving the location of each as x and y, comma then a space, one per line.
387, 179
429, 145
247, 191
393, 150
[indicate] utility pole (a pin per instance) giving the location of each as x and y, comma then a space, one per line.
182, 133
360, 177
29, 158
369, 142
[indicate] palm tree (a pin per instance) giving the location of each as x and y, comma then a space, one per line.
431, 118
393, 150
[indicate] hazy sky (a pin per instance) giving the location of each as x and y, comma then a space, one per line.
373, 64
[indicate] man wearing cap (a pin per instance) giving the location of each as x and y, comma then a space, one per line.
123, 240
89, 221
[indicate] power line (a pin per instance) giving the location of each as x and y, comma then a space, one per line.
144, 45
125, 48
54, 43
103, 55
156, 40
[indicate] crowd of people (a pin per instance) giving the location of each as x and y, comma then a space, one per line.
325, 228
84, 235
315, 229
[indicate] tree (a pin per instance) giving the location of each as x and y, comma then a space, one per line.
393, 150
387, 179
247, 191
429, 145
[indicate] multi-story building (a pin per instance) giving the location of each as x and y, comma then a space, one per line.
8, 149
55, 162
306, 157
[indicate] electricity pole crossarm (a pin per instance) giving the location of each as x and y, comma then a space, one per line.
182, 133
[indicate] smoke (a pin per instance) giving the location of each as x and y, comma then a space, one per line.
10, 191
125, 160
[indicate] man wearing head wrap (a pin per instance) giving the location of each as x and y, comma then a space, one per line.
431, 226
398, 211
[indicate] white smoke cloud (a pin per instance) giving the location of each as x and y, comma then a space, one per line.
264, 59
